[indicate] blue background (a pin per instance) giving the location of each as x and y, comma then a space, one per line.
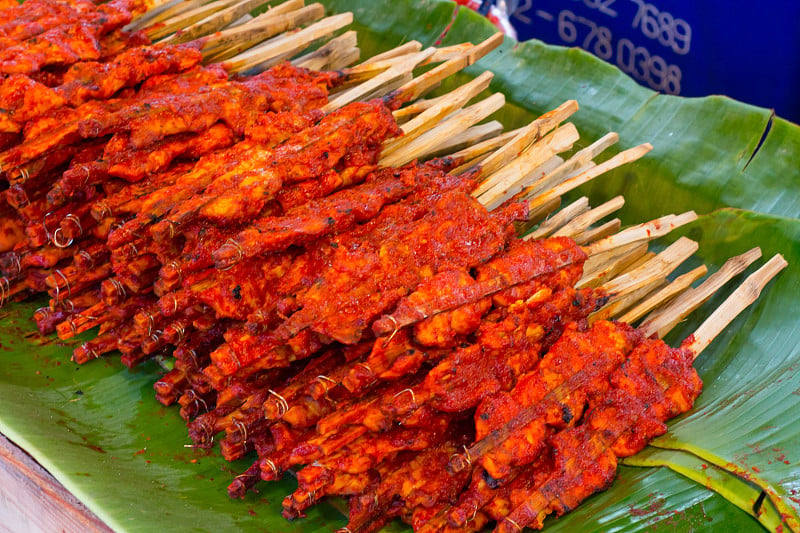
749, 51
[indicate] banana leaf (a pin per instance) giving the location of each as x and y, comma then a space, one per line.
98, 429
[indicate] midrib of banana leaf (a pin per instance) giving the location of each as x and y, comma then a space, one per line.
746, 496
99, 431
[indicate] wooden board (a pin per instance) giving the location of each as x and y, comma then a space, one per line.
31, 500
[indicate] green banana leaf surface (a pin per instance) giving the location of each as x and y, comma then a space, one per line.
98, 429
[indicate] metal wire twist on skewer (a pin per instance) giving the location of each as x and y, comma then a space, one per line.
283, 405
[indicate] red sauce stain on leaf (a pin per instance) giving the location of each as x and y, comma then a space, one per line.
656, 505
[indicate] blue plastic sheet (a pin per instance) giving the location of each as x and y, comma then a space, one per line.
744, 49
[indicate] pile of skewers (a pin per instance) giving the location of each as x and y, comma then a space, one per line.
331, 266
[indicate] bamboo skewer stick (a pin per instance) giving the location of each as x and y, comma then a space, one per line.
162, 11
599, 232
469, 137
733, 305
603, 268
634, 275
580, 162
223, 45
663, 296
398, 68
287, 44
436, 136
411, 47
747, 293
639, 262
573, 210
456, 100
559, 140
581, 222
215, 52
416, 107
664, 319
215, 22
646, 231
528, 135
163, 28
497, 179
446, 53
483, 149
457, 63
336, 54
619, 303
680, 250
622, 158
373, 67
641, 278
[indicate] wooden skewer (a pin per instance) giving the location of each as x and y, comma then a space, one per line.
583, 221
663, 296
287, 44
578, 163
620, 303
244, 19
541, 213
398, 68
598, 260
215, 22
747, 293
418, 106
506, 189
658, 267
600, 232
492, 202
457, 99
546, 228
227, 43
436, 136
559, 140
377, 65
403, 64
441, 151
646, 231
470, 163
664, 319
510, 176
334, 55
457, 58
482, 150
215, 51
598, 269
528, 135
411, 47
620, 159
446, 53
469, 137
639, 262
163, 28
161, 11
652, 270
458, 62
